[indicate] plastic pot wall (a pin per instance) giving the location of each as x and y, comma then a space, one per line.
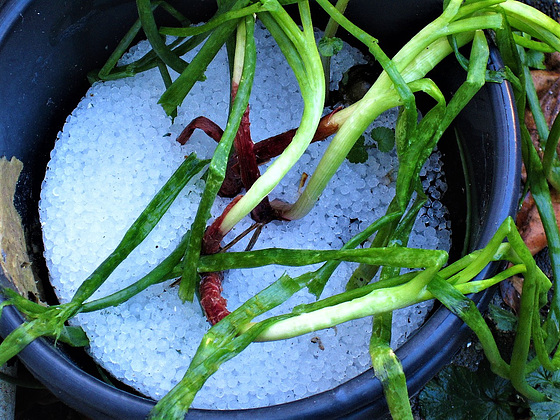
46, 49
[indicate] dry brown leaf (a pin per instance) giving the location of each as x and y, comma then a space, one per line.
552, 61
530, 225
547, 84
528, 220
549, 101
517, 283
14, 259
532, 232
510, 295
543, 80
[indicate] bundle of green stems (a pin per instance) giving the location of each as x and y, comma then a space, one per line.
467, 25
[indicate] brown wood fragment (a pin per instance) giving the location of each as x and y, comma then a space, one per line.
14, 259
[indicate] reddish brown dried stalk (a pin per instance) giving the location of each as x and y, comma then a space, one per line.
213, 235
242, 171
263, 150
273, 146
210, 289
211, 299
249, 168
212, 302
211, 129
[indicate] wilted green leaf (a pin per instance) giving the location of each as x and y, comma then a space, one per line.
330, 46
504, 320
458, 394
384, 137
358, 153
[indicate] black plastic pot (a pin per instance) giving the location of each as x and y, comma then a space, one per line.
46, 49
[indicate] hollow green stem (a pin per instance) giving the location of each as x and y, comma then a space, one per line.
176, 93
465, 309
219, 20
330, 32
119, 50
541, 194
403, 257
533, 22
218, 166
482, 258
25, 306
550, 157
388, 91
354, 293
532, 44
141, 227
525, 320
476, 286
430, 130
224, 341
317, 285
311, 82
388, 368
476, 7
539, 341
532, 15
109, 70
337, 150
49, 323
161, 273
378, 301
147, 19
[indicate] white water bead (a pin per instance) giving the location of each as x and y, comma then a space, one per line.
118, 148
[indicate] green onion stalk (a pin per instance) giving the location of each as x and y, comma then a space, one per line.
218, 164
300, 50
515, 27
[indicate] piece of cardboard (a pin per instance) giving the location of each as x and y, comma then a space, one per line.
14, 259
